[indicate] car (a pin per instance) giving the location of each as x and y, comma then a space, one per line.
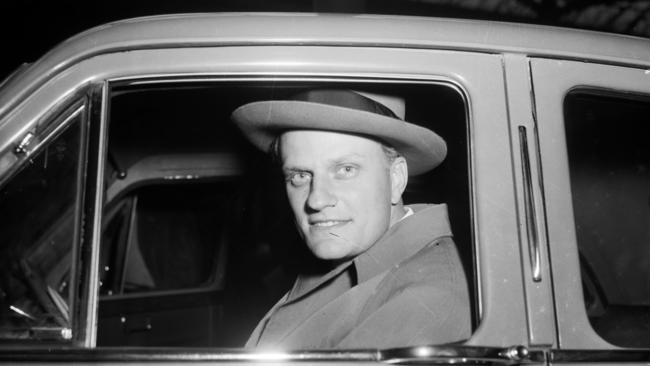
138, 225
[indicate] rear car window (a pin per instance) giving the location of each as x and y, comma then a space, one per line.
168, 235
609, 159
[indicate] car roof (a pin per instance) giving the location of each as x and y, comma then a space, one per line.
219, 29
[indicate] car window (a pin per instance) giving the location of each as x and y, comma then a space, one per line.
36, 258
609, 159
189, 200
168, 236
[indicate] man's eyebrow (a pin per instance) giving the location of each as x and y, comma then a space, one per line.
290, 169
346, 157
333, 161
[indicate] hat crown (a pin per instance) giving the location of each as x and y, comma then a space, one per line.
394, 103
367, 102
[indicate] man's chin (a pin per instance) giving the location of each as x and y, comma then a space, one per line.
330, 249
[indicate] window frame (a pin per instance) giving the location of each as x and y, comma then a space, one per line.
186, 81
449, 75
45, 130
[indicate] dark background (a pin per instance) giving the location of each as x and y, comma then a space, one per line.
29, 28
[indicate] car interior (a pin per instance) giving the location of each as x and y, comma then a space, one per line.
609, 159
214, 195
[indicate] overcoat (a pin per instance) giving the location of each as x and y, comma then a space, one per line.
408, 289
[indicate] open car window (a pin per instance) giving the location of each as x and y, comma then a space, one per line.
198, 241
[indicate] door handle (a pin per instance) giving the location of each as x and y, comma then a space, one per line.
529, 207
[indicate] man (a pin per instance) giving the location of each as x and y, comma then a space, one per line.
395, 277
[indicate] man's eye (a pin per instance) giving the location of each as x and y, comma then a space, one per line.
298, 179
347, 171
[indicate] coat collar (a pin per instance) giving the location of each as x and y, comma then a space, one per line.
403, 240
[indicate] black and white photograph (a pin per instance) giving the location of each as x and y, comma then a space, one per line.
328, 182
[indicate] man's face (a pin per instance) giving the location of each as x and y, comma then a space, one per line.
339, 188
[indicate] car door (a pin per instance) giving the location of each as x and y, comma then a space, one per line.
383, 69
593, 141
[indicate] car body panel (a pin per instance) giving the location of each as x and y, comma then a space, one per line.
535, 268
171, 31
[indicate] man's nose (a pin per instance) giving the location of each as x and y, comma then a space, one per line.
320, 195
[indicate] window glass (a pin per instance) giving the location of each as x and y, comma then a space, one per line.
37, 231
193, 209
172, 242
113, 244
609, 158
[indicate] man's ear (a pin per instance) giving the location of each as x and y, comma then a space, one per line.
399, 176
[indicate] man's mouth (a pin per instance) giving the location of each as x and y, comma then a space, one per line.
328, 223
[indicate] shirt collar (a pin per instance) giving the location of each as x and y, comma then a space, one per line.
409, 212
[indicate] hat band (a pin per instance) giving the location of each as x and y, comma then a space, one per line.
345, 99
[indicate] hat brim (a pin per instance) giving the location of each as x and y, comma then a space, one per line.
262, 122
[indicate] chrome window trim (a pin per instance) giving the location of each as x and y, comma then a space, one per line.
452, 355
100, 124
445, 355
371, 78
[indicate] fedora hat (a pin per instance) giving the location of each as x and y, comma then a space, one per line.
375, 116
